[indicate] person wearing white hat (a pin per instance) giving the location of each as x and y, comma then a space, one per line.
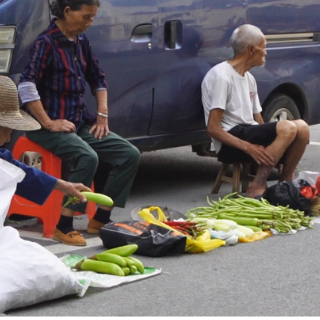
12, 118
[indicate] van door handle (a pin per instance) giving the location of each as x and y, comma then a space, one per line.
142, 33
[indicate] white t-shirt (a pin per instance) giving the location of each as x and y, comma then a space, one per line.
224, 88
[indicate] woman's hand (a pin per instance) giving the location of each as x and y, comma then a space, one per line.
72, 189
100, 128
60, 125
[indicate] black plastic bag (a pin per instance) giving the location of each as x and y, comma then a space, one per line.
152, 240
291, 193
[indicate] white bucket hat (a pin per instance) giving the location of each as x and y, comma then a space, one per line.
10, 114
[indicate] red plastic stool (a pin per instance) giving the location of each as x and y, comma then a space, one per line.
49, 213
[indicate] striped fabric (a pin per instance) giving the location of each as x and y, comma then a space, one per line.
60, 68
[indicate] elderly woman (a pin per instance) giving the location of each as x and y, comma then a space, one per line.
12, 118
52, 89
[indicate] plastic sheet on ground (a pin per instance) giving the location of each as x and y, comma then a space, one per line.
100, 280
316, 220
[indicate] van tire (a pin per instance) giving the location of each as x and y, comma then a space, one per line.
280, 107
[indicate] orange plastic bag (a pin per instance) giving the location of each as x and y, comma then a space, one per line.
203, 243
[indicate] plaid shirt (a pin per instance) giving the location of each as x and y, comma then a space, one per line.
60, 69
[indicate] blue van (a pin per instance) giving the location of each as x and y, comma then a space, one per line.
155, 54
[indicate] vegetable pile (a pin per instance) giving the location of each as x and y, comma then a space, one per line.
116, 261
258, 215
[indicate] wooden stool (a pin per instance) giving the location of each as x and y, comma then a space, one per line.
236, 177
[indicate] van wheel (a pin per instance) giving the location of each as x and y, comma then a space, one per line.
280, 107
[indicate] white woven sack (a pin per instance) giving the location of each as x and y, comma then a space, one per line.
10, 176
29, 273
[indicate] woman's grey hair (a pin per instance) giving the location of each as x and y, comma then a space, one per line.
57, 7
245, 35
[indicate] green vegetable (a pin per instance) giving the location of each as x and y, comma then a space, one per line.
133, 269
216, 224
254, 229
98, 198
252, 212
128, 261
240, 220
139, 265
247, 231
101, 267
111, 257
124, 251
126, 270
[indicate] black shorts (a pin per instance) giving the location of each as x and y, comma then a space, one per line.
262, 134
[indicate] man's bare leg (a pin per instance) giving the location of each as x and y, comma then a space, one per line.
295, 151
286, 134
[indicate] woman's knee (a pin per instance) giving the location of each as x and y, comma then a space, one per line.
90, 158
134, 154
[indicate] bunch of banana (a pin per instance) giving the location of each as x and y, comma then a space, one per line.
116, 261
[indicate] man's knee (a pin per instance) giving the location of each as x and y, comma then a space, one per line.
303, 129
287, 129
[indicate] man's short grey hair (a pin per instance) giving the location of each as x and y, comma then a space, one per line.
245, 35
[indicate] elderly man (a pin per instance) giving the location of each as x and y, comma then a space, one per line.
233, 114
13, 118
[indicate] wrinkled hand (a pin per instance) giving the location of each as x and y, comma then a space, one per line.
260, 155
72, 189
100, 128
61, 125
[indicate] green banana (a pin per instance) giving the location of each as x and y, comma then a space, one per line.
133, 269
111, 257
98, 198
138, 264
126, 271
124, 251
129, 262
102, 267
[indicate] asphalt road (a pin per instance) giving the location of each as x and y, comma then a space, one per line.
278, 276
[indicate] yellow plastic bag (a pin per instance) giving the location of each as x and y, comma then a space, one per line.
260, 235
203, 243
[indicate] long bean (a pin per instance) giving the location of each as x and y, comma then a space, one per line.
261, 212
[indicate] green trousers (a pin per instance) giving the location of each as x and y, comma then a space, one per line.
85, 152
